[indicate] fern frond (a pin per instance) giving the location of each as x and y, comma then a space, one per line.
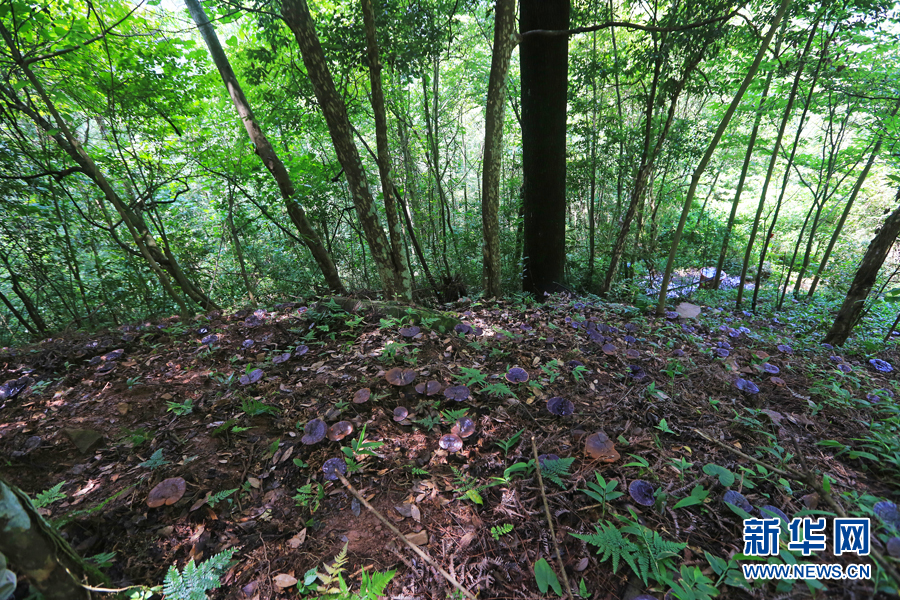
612, 544
219, 496
195, 580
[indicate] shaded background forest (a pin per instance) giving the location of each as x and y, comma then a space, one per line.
131, 187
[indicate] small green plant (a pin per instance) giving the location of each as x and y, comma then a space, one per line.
500, 530
681, 464
509, 443
48, 497
546, 578
470, 377
359, 447
519, 467
180, 408
551, 370
429, 422
498, 390
642, 549
155, 461
579, 372
418, 471
391, 349
693, 585
102, 560
556, 469
131, 381
664, 427
310, 496
195, 580
698, 496
452, 416
220, 496
255, 408
136, 437
468, 487
603, 491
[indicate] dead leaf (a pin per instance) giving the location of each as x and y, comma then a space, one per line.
254, 482
168, 492
419, 539
297, 541
283, 580
686, 310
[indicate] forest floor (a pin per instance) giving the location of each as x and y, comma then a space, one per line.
108, 416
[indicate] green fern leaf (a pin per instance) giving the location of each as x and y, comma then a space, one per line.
195, 580
612, 544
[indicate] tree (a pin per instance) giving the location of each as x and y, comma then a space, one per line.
298, 18
544, 73
865, 277
265, 151
504, 42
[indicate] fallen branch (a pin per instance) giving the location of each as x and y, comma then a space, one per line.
450, 578
562, 567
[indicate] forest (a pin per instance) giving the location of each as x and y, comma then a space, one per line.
427, 299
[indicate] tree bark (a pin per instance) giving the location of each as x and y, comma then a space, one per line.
544, 62
504, 42
395, 230
19, 316
298, 18
19, 291
265, 150
698, 172
236, 241
865, 278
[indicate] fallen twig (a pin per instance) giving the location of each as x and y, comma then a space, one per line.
450, 578
562, 567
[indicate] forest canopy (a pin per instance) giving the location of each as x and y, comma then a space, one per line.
159, 158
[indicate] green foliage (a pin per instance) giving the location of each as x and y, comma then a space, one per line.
333, 586
642, 549
509, 443
546, 578
452, 416
155, 461
195, 580
725, 477
220, 496
180, 408
48, 497
500, 530
468, 487
498, 390
698, 496
693, 585
471, 377
7, 580
102, 560
603, 491
310, 496
256, 408
556, 469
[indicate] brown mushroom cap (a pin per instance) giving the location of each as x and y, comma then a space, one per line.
362, 395
168, 492
400, 377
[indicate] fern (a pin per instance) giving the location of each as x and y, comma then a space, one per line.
50, 496
310, 495
372, 587
155, 461
501, 530
195, 580
556, 469
471, 377
469, 487
500, 390
219, 496
332, 578
645, 551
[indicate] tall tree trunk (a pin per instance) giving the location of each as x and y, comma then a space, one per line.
236, 241
746, 166
698, 172
864, 280
774, 159
19, 316
787, 168
395, 230
296, 14
853, 193
544, 67
504, 42
266, 152
23, 296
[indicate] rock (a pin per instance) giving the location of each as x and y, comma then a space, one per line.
419, 539
84, 439
686, 310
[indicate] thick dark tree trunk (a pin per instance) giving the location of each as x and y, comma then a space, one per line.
265, 150
298, 18
544, 64
864, 280
504, 30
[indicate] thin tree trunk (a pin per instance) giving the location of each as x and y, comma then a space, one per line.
774, 159
19, 316
698, 172
236, 240
296, 14
23, 296
840, 225
395, 230
589, 279
504, 31
865, 278
266, 152
787, 169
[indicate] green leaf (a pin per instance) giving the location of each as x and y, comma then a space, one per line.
546, 578
726, 477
